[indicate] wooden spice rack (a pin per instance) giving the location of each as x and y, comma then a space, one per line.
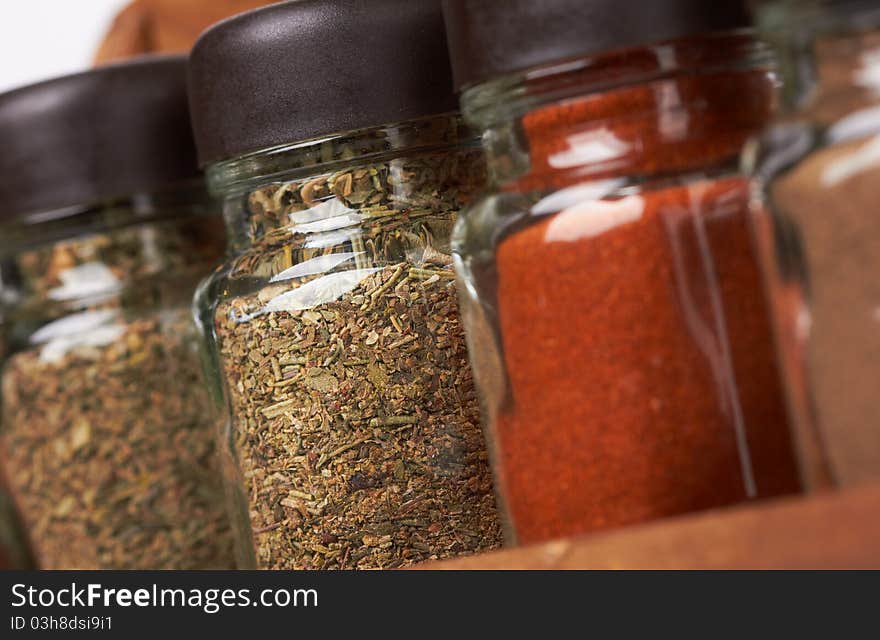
830, 531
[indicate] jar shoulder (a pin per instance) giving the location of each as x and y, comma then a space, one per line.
333, 251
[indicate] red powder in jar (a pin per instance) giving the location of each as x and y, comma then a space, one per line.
636, 339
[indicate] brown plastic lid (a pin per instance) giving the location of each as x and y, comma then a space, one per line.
299, 70
490, 38
103, 134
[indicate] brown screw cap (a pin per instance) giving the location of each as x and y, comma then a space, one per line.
103, 134
299, 70
491, 38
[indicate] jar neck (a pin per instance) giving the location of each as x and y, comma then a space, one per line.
331, 183
92, 255
669, 108
828, 51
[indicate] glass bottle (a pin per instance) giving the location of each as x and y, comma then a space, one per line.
105, 230
816, 180
333, 333
611, 293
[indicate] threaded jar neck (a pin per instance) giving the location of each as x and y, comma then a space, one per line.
327, 154
87, 255
640, 111
332, 183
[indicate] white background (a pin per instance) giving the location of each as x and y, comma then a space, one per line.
40, 39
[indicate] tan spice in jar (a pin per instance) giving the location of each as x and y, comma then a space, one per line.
107, 439
356, 424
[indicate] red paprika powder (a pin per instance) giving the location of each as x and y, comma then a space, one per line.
617, 323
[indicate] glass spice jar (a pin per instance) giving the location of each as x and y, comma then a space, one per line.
106, 438
354, 437
817, 178
610, 290
14, 551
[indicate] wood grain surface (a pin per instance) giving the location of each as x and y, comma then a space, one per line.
830, 531
165, 26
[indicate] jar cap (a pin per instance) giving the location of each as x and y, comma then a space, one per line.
490, 38
299, 70
107, 133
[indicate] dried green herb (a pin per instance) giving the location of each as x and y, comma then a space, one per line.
107, 441
99, 266
356, 424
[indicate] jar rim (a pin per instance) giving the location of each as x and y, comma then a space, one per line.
178, 202
513, 95
306, 158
